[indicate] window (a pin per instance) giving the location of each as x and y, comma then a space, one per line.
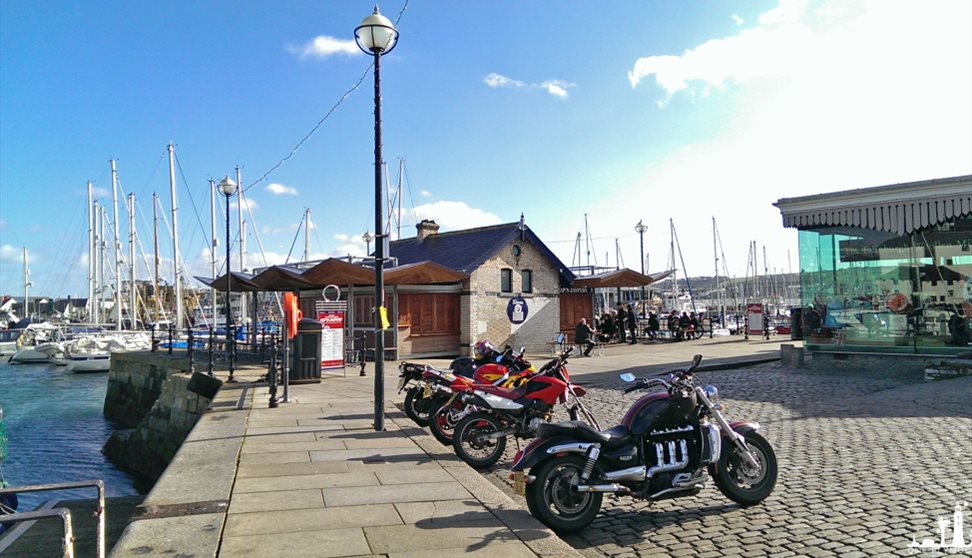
526, 277
506, 280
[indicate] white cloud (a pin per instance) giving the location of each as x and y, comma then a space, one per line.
267, 229
826, 96
557, 88
12, 255
454, 215
738, 20
100, 192
280, 189
248, 205
426, 194
323, 46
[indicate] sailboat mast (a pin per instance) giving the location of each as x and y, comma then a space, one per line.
132, 290
213, 244
175, 238
26, 285
91, 244
102, 217
155, 262
306, 234
671, 233
715, 256
239, 203
117, 246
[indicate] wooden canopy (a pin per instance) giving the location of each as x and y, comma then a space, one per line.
619, 278
282, 278
240, 283
422, 273
338, 272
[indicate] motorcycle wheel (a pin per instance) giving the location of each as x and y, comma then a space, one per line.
740, 482
478, 455
441, 422
552, 499
416, 407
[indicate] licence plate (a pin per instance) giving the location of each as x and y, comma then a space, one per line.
401, 383
519, 483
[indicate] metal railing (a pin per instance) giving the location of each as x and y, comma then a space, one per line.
67, 541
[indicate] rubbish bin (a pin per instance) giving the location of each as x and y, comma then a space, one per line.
796, 323
305, 353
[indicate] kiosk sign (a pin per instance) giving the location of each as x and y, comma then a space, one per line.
754, 318
332, 338
517, 310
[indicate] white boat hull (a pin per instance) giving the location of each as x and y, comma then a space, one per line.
29, 355
89, 363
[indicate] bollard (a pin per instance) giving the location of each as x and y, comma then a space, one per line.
189, 348
211, 351
272, 377
171, 329
155, 342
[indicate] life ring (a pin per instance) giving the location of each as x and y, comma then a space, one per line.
896, 302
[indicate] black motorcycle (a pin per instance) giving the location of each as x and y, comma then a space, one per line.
667, 445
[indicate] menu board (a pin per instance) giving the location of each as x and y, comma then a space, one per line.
332, 338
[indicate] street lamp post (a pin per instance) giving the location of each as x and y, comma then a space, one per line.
376, 36
367, 238
228, 187
640, 228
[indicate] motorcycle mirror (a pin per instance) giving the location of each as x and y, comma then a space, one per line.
627, 377
696, 360
522, 350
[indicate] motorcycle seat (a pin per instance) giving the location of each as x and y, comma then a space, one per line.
611, 438
508, 393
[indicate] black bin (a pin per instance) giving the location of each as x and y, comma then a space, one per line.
305, 353
796, 324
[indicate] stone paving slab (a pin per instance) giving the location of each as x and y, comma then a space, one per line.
388, 494
298, 482
288, 521
443, 511
280, 500
291, 469
423, 536
326, 543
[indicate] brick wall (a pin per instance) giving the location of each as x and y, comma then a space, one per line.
484, 307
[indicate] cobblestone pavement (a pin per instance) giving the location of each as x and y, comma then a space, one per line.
869, 461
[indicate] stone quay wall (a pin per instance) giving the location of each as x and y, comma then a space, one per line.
149, 393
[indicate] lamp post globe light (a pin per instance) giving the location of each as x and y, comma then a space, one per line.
228, 187
367, 239
640, 228
377, 36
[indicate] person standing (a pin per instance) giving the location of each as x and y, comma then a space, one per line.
584, 335
622, 324
632, 325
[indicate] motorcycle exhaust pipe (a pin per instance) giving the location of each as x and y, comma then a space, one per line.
614, 488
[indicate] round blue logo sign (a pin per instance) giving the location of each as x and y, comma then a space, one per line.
517, 310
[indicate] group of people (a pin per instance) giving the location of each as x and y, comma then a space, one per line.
621, 325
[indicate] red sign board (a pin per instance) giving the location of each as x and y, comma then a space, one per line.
754, 318
332, 338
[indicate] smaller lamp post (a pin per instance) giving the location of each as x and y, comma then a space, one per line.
228, 187
367, 238
640, 228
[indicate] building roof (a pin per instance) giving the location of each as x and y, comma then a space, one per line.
619, 278
422, 273
896, 208
282, 278
468, 249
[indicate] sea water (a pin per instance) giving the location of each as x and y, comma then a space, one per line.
55, 429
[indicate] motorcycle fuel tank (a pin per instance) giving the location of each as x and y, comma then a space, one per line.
658, 411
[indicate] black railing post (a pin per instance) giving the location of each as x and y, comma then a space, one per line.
155, 342
272, 377
211, 350
171, 331
189, 348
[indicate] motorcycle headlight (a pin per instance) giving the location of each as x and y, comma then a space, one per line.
711, 392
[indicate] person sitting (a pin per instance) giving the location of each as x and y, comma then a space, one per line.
653, 326
584, 335
607, 328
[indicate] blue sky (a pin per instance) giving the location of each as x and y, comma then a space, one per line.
623, 111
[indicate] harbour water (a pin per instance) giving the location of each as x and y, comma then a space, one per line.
55, 431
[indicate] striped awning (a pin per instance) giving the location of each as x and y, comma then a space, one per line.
898, 208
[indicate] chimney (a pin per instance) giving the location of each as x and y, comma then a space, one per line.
426, 228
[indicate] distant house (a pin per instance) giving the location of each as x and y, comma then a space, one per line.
510, 293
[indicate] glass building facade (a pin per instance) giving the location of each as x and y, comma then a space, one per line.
886, 269
867, 290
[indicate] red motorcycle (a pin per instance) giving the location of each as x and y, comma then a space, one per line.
446, 410
666, 446
493, 413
